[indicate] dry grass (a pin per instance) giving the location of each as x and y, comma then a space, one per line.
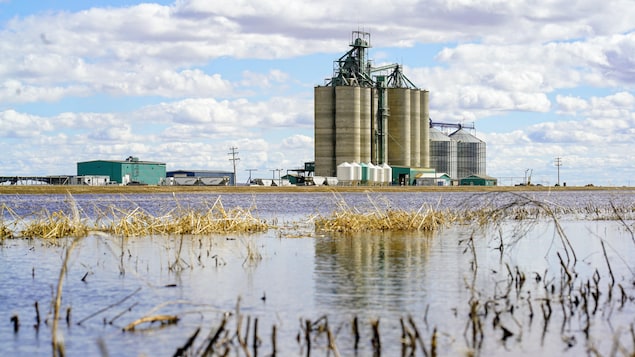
347, 219
5, 231
55, 225
213, 220
391, 220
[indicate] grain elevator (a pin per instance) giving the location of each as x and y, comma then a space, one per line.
366, 114
376, 118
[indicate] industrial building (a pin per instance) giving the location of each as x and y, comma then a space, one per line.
374, 116
478, 180
199, 178
128, 171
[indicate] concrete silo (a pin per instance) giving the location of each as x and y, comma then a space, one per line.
415, 128
365, 123
324, 111
399, 126
470, 154
424, 138
347, 124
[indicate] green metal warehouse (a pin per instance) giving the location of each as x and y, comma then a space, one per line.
478, 180
130, 170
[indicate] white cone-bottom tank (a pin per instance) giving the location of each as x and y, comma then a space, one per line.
387, 173
357, 171
372, 173
344, 172
379, 174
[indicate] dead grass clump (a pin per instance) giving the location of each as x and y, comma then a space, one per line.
56, 225
185, 221
390, 220
5, 232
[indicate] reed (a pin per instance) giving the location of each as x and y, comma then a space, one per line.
211, 220
351, 220
54, 225
214, 219
5, 232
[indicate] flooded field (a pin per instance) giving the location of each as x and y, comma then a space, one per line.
555, 276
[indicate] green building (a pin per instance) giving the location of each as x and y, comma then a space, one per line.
128, 171
478, 180
406, 176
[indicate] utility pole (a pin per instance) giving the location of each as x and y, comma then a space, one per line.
273, 177
249, 179
233, 153
279, 178
558, 163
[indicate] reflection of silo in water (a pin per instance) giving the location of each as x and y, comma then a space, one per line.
425, 128
325, 131
347, 124
470, 153
365, 113
375, 155
369, 270
442, 153
415, 128
399, 127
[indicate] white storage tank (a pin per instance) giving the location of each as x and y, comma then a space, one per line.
372, 173
344, 172
387, 173
379, 175
357, 171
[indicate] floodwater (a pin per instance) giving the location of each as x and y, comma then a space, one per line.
555, 287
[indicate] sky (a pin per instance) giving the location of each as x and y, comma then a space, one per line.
182, 82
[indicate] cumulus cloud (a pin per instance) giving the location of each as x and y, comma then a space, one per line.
204, 77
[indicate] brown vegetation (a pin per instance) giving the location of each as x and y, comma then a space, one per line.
214, 219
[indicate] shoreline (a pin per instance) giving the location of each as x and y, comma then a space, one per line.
78, 190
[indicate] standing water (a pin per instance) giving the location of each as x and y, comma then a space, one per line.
550, 285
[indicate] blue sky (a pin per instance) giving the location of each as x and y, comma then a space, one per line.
183, 81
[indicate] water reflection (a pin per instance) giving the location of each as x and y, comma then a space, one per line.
371, 273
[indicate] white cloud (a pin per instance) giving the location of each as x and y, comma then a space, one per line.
500, 58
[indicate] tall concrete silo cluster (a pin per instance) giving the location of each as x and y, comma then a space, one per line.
367, 114
377, 116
